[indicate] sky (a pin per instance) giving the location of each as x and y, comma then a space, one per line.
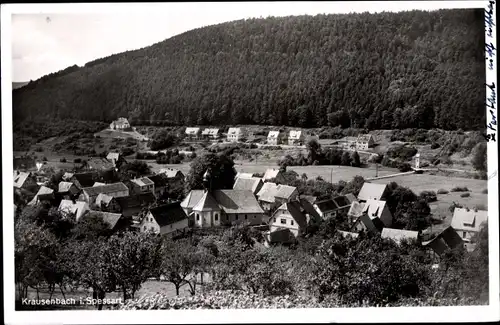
48, 38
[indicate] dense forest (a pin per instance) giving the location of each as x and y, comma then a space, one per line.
377, 71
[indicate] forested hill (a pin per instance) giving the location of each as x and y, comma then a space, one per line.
387, 70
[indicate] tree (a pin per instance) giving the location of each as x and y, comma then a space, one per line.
346, 159
222, 172
135, 168
91, 228
178, 262
353, 186
314, 150
355, 160
479, 157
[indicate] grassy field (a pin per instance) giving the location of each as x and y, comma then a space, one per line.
107, 133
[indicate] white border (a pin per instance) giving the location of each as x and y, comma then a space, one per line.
400, 314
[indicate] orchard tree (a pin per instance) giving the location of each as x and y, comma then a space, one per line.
178, 262
221, 169
355, 160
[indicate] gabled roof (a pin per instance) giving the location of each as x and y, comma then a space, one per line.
100, 163
168, 214
170, 172
191, 131
210, 131
98, 184
364, 138
113, 156
234, 131
285, 191
110, 218
373, 208
265, 189
134, 201
308, 208
371, 191
85, 179
64, 187
42, 192
341, 201
67, 176
103, 198
295, 134
244, 175
273, 134
121, 121
326, 205
108, 188
294, 209
78, 208
159, 180
192, 198
207, 203
143, 181
270, 174
20, 178
235, 201
445, 240
468, 219
248, 184
398, 234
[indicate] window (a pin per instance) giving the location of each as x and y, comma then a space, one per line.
236, 217
216, 217
283, 221
246, 217
144, 228
197, 217
254, 216
465, 234
292, 222
274, 219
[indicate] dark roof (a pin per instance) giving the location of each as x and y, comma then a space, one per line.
445, 240
341, 201
308, 208
108, 188
168, 214
85, 179
110, 218
326, 205
160, 180
133, 201
236, 201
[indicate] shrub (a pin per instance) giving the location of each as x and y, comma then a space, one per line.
402, 152
63, 160
460, 189
77, 160
404, 167
428, 196
465, 195
442, 191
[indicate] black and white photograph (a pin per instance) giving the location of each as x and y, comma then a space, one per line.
251, 159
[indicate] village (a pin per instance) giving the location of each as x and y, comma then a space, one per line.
280, 212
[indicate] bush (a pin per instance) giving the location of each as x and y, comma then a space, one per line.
442, 191
460, 189
63, 160
77, 160
404, 167
402, 152
465, 195
428, 196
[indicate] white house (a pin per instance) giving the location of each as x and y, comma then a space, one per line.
191, 200
272, 195
206, 212
120, 124
68, 189
295, 216
115, 190
164, 219
364, 141
210, 133
295, 137
273, 138
372, 191
272, 173
193, 133
43, 194
234, 134
377, 212
77, 208
239, 206
398, 235
467, 222
114, 158
142, 185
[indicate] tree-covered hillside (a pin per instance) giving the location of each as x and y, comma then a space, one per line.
387, 70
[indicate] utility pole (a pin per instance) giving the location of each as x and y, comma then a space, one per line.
376, 169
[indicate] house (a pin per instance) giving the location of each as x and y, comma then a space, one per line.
377, 212
347, 234
116, 221
68, 189
210, 134
24, 180
160, 184
44, 194
206, 212
274, 138
165, 219
282, 236
132, 205
253, 184
446, 240
272, 195
142, 185
98, 184
120, 124
67, 176
116, 190
295, 138
243, 175
467, 222
234, 134
350, 197
82, 180
71, 207
326, 208
172, 173
372, 191
364, 141
239, 206
295, 216
106, 202
398, 235
273, 173
343, 204
115, 158
191, 200
192, 133
100, 164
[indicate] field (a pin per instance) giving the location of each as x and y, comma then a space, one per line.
107, 133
